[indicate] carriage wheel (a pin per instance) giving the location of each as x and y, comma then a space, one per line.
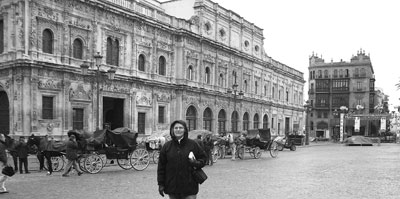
93, 163
273, 149
293, 147
81, 162
156, 155
240, 152
57, 163
257, 152
140, 159
125, 163
280, 147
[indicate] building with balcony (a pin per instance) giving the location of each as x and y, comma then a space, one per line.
344, 84
200, 63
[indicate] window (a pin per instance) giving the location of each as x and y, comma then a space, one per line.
256, 121
340, 85
273, 92
191, 115
77, 49
363, 72
47, 41
272, 122
335, 73
221, 121
287, 95
161, 114
190, 73
265, 90
234, 77
161, 66
256, 87
77, 118
340, 73
356, 72
47, 107
112, 52
208, 76
141, 62
245, 86
322, 100
221, 80
319, 74
322, 85
359, 86
326, 74
207, 119
1, 36
246, 121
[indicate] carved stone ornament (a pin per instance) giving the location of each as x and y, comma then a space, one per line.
163, 97
49, 84
79, 94
144, 99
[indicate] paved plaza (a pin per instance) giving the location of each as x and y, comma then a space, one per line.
319, 171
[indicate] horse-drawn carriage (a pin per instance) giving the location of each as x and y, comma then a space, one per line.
119, 144
95, 149
254, 142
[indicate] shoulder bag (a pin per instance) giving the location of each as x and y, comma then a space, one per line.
8, 171
199, 175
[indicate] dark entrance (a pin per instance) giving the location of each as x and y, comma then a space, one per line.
287, 125
141, 123
4, 113
113, 112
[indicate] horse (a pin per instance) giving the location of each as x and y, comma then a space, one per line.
46, 148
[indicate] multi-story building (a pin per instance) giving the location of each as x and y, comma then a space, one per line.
192, 60
346, 85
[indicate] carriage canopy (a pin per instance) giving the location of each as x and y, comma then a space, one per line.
121, 137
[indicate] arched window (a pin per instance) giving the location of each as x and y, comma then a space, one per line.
319, 74
190, 73
47, 39
191, 115
256, 121
245, 86
256, 87
221, 121
141, 62
235, 121
335, 73
77, 49
207, 119
265, 121
112, 55
340, 73
325, 73
208, 75
246, 121
1, 36
161, 66
221, 80
234, 77
115, 53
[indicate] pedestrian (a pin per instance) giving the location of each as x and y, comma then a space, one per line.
22, 150
3, 163
232, 145
208, 148
72, 156
199, 141
175, 166
14, 154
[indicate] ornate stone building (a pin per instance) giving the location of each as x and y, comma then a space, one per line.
168, 65
333, 85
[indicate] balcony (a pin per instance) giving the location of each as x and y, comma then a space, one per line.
360, 89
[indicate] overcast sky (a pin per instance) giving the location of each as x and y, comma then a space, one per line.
335, 29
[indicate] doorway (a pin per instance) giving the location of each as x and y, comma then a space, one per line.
113, 113
141, 123
4, 113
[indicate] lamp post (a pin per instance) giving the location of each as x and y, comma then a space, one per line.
308, 108
343, 110
234, 87
99, 76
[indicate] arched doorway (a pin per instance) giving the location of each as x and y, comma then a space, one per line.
221, 121
191, 115
265, 122
4, 112
246, 121
207, 119
235, 121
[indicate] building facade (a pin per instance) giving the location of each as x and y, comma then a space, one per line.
205, 65
347, 88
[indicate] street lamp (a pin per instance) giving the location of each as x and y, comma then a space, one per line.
308, 109
234, 87
99, 76
343, 111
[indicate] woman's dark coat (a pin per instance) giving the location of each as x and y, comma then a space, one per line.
174, 168
72, 150
3, 154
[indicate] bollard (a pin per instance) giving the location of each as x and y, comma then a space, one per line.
379, 141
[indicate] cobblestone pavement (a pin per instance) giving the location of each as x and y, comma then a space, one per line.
317, 171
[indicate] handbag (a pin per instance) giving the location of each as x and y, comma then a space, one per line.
199, 175
8, 171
